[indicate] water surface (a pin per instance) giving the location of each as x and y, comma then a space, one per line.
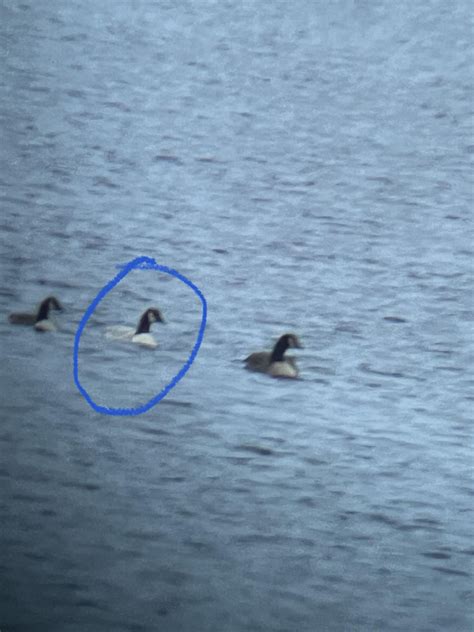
310, 169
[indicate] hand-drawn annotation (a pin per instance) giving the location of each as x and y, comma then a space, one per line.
140, 263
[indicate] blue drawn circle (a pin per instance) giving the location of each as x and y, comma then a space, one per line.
140, 263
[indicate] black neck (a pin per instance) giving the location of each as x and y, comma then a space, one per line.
43, 311
143, 325
279, 349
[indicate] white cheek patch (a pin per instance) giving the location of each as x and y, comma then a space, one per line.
151, 317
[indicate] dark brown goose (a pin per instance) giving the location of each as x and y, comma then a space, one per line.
274, 362
40, 320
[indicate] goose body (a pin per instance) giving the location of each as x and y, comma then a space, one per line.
274, 363
283, 369
45, 325
40, 321
146, 340
22, 318
141, 335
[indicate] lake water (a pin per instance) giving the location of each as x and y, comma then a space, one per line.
308, 165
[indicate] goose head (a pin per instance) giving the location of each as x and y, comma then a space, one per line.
49, 303
292, 341
151, 315
287, 341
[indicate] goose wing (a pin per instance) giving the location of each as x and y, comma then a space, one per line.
22, 318
258, 361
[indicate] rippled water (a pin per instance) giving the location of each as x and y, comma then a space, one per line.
309, 167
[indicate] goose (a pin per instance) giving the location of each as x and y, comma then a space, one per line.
141, 335
40, 321
273, 362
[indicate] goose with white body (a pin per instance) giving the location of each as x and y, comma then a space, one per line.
141, 335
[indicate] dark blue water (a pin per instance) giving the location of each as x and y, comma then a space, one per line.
309, 167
